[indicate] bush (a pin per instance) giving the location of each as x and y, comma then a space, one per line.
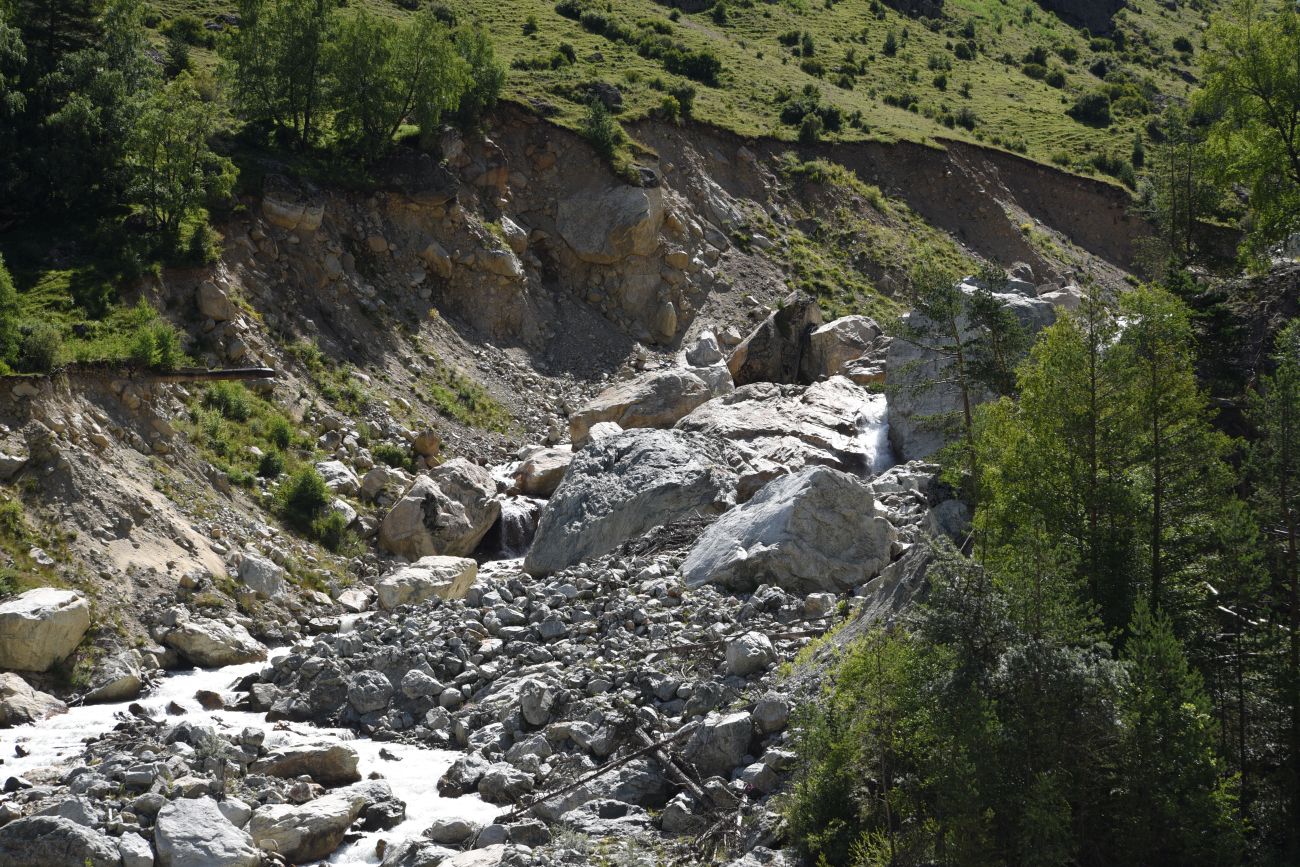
231, 399
603, 132
9, 333
810, 129
685, 96
302, 499
157, 346
1092, 109
42, 349
270, 465
279, 432
391, 455
331, 530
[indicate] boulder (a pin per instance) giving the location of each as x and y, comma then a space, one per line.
20, 704
339, 478
778, 429
772, 351
41, 627
924, 403
833, 345
447, 511
261, 575
135, 851
192, 832
444, 577
655, 399
327, 762
388, 481
53, 841
289, 209
720, 743
215, 304
605, 226
416, 853
310, 831
619, 488
705, 351
118, 678
539, 474
749, 654
369, 691
212, 644
488, 856
817, 530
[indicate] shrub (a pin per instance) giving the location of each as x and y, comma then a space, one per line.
9, 333
279, 432
331, 530
685, 96
270, 465
603, 132
391, 455
302, 498
1092, 109
231, 399
42, 349
810, 129
530, 25
157, 346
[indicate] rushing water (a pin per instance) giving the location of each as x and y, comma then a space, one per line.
413, 772
873, 435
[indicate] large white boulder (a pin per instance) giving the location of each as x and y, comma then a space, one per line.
20, 704
447, 511
835, 344
444, 577
540, 473
605, 226
620, 487
655, 399
212, 644
816, 530
301, 833
329, 763
53, 841
261, 575
193, 832
41, 627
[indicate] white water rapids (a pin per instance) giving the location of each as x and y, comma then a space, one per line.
413, 777
873, 435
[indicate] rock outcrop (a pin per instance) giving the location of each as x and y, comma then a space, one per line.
41, 627
618, 488
773, 351
20, 704
817, 530
447, 512
653, 400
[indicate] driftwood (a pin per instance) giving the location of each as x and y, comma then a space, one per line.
654, 746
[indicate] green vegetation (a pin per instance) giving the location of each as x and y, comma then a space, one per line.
243, 435
459, 398
19, 571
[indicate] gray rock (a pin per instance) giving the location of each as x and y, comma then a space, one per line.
20, 704
772, 351
416, 853
417, 684
536, 701
771, 713
539, 474
118, 678
339, 478
369, 691
447, 511
193, 833
443, 577
682, 817
619, 488
135, 851
451, 830
325, 762
53, 841
705, 351
817, 530
212, 644
215, 304
720, 743
310, 831
504, 784
653, 400
606, 225
749, 654
41, 627
261, 575
835, 344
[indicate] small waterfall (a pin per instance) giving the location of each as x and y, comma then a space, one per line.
512, 535
873, 435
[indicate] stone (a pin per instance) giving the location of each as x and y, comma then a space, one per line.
705, 352
339, 478
118, 678
444, 577
504, 784
261, 575
779, 429
451, 830
835, 344
539, 474
447, 511
41, 627
384, 479
215, 304
191, 832
20, 704
536, 701
606, 226
427, 444
417, 684
285, 207
771, 713
369, 691
653, 400
619, 488
818, 530
772, 351
921, 391
749, 654
53, 841
681, 817
515, 235
307, 832
326, 762
490, 856
212, 644
416, 853
135, 851
719, 744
